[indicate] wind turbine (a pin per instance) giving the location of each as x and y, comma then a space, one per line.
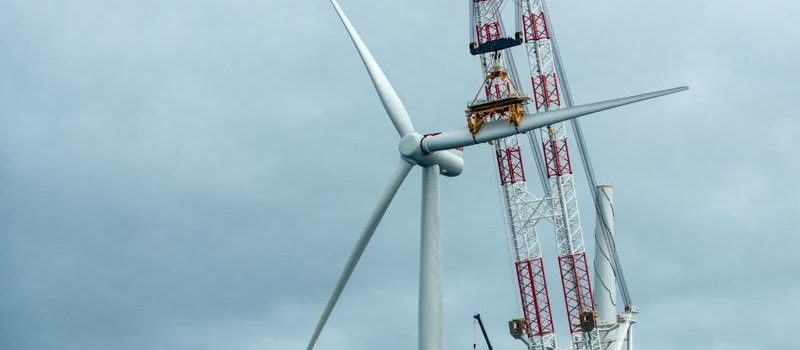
437, 156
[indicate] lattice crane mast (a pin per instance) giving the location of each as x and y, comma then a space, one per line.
504, 100
614, 329
572, 259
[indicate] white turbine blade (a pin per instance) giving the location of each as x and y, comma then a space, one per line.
430, 266
391, 102
386, 198
500, 129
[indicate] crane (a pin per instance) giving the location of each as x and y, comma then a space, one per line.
551, 92
499, 98
504, 100
502, 115
572, 259
477, 317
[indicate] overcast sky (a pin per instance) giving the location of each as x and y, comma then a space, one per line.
192, 174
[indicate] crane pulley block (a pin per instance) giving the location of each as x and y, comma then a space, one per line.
588, 320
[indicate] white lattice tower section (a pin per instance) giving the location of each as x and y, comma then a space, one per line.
523, 209
572, 259
485, 25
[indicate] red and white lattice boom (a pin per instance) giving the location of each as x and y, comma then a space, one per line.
523, 209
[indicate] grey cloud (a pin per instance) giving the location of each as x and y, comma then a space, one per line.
179, 175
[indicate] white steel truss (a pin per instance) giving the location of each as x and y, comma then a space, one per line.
572, 258
522, 209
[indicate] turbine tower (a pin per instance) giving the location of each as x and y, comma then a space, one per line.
437, 154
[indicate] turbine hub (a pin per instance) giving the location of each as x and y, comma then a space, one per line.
450, 162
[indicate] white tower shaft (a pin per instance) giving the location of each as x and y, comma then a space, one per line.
430, 266
614, 330
605, 284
